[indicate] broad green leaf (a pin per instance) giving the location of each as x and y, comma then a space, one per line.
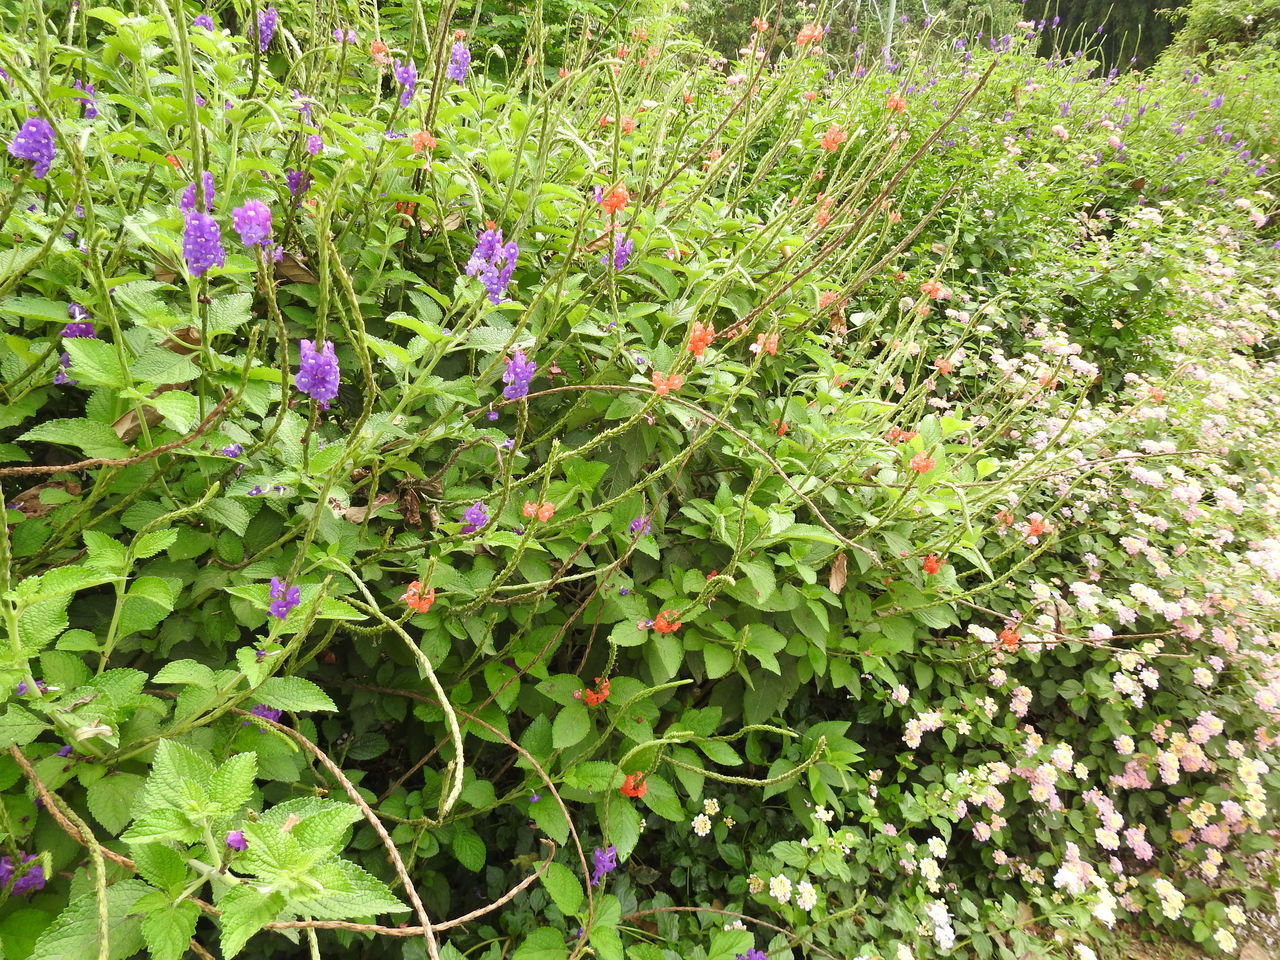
295, 694
94, 439
95, 363
111, 798
543, 944
564, 888
75, 932
168, 930
469, 849
571, 725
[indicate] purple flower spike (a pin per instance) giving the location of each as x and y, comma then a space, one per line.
267, 20
314, 144
89, 100
34, 142
236, 840
187, 202
641, 525
604, 862
493, 262
204, 20
622, 250
459, 62
518, 375
81, 324
60, 377
476, 516
752, 954
407, 77
253, 223
284, 598
202, 244
29, 882
298, 182
318, 374
265, 712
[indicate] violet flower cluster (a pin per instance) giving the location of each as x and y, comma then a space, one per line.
459, 62
187, 202
202, 243
603, 862
267, 20
29, 882
518, 376
622, 250
34, 142
493, 262
407, 77
81, 324
318, 375
89, 99
476, 515
253, 223
283, 598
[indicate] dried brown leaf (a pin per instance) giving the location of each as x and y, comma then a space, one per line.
839, 575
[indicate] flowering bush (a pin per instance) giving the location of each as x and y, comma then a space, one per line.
654, 506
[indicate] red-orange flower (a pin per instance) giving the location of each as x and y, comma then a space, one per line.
896, 103
811, 95
663, 384
173, 161
423, 141
809, 33
688, 96
833, 137
931, 564
633, 785
766, 342
623, 51
700, 338
380, 52
932, 289
1037, 527
898, 435
615, 199
922, 462
628, 123
417, 598
597, 696
760, 23
663, 622
780, 425
1010, 637
542, 511
943, 365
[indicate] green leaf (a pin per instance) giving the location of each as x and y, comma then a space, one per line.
349, 893
103, 552
111, 799
232, 786
244, 912
294, 694
75, 932
623, 828
469, 849
95, 363
564, 888
572, 724
94, 439
155, 826
160, 866
149, 544
543, 944
18, 727
727, 944
185, 671
168, 930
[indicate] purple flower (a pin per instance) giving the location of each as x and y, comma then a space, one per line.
232, 450
493, 262
604, 862
459, 62
621, 253
266, 27
265, 712
204, 20
89, 100
518, 375
298, 182
202, 244
752, 954
60, 377
83, 329
187, 202
314, 144
34, 142
236, 840
340, 37
252, 222
641, 525
476, 516
318, 374
29, 882
535, 797
407, 77
65, 751
284, 598
492, 414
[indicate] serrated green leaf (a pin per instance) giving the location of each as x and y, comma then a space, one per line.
469, 849
185, 671
564, 887
154, 826
111, 799
167, 931
95, 363
572, 724
232, 786
244, 912
103, 552
75, 931
543, 944
149, 544
295, 694
18, 727
160, 866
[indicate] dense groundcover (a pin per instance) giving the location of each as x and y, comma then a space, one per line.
610, 501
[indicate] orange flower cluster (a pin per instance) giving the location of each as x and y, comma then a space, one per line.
1010, 637
417, 598
896, 103
597, 696
931, 564
663, 384
633, 785
701, 337
542, 511
664, 624
767, 342
423, 141
898, 435
809, 33
833, 137
615, 199
922, 462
